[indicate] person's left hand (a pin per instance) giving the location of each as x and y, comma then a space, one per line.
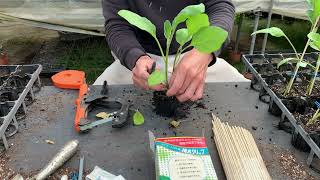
188, 79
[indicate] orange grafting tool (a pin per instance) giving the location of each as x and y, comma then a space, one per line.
73, 79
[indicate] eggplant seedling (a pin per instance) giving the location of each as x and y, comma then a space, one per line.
204, 37
315, 44
316, 115
313, 13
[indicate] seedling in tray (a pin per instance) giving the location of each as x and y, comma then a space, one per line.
314, 15
315, 44
203, 37
316, 115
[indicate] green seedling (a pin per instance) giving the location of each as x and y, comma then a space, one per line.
315, 44
313, 14
315, 116
198, 34
138, 118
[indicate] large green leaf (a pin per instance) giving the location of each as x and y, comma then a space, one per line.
138, 118
287, 60
274, 31
167, 29
314, 10
156, 78
138, 21
209, 39
187, 12
183, 36
194, 23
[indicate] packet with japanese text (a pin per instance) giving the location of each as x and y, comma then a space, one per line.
183, 158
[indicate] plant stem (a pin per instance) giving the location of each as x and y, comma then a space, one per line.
295, 51
176, 58
288, 88
159, 45
178, 54
312, 81
314, 117
169, 40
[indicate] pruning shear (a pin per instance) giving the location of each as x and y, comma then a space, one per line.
153, 68
97, 96
91, 97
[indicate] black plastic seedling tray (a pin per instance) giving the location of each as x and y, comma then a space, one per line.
17, 86
265, 75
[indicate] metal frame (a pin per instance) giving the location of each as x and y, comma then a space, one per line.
10, 118
315, 150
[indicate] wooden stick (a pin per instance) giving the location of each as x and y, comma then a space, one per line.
239, 154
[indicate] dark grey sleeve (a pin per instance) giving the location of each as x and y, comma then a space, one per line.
221, 13
120, 34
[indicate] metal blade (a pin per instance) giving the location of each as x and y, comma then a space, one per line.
96, 123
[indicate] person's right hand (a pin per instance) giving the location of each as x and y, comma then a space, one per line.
140, 73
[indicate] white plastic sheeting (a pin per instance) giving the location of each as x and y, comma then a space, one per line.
85, 16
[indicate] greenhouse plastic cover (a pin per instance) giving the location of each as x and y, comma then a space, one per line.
85, 16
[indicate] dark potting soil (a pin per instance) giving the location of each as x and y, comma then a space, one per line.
304, 119
167, 106
297, 90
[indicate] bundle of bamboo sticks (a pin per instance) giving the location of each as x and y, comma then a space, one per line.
238, 152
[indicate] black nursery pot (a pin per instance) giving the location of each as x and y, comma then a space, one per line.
164, 105
298, 142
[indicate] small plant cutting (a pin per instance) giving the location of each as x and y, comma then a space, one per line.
199, 34
314, 15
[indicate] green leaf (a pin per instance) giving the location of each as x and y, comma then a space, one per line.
138, 21
167, 29
187, 12
315, 37
138, 118
314, 10
197, 22
315, 45
182, 36
209, 39
287, 60
156, 78
274, 31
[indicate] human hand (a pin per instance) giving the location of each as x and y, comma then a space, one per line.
140, 73
188, 79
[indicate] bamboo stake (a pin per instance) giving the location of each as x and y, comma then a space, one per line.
239, 154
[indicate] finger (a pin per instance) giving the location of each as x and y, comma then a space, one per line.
177, 83
140, 83
199, 93
190, 92
191, 75
172, 78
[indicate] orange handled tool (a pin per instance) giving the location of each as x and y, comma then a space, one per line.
90, 97
73, 79
81, 111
